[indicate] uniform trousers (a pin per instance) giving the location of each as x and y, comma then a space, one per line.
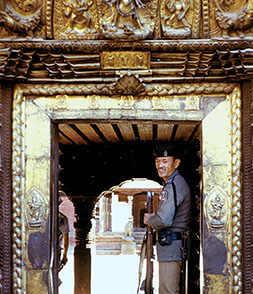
169, 277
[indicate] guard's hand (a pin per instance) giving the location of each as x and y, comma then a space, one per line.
147, 216
64, 259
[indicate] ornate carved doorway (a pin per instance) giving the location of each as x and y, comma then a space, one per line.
36, 110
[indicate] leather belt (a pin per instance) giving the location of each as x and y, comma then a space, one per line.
176, 236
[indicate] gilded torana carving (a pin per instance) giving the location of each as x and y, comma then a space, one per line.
125, 19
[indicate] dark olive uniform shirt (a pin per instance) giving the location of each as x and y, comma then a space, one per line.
166, 217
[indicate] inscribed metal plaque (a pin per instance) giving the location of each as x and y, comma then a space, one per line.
125, 60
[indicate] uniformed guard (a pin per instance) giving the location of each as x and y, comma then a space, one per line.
172, 218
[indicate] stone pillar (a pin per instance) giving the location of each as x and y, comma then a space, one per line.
101, 215
130, 209
82, 254
128, 243
107, 214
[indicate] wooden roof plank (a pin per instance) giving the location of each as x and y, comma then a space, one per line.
164, 131
67, 130
126, 131
184, 131
145, 131
89, 132
108, 132
64, 140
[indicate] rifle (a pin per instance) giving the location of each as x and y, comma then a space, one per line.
185, 256
149, 249
142, 257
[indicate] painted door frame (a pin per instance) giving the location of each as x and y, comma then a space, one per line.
36, 108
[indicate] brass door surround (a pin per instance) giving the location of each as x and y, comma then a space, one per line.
36, 107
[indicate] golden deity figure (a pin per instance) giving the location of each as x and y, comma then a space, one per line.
126, 9
175, 21
127, 19
77, 11
178, 9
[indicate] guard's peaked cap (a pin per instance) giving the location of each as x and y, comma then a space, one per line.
167, 149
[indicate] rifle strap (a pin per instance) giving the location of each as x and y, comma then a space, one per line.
175, 196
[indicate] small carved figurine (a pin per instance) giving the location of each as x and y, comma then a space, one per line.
35, 211
216, 212
128, 229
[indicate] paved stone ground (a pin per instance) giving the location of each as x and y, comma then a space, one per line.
110, 274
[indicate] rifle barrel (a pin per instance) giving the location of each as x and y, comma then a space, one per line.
149, 252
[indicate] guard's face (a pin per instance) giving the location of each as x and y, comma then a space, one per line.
166, 166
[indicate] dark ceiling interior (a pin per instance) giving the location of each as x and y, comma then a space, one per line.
118, 132
97, 156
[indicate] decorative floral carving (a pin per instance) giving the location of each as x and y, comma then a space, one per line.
127, 102
24, 25
157, 102
231, 20
27, 5
236, 154
205, 18
94, 101
17, 177
97, 46
60, 103
196, 20
104, 89
128, 84
192, 103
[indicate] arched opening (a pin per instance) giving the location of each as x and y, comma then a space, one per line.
97, 156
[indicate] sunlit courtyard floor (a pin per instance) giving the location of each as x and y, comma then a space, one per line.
114, 274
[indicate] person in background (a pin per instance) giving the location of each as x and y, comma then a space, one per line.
63, 226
